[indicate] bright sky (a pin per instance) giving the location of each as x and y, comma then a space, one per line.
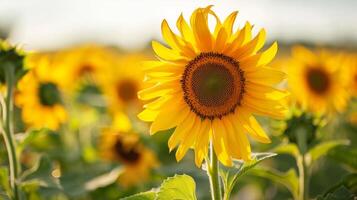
46, 24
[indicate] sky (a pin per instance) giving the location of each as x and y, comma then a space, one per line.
50, 24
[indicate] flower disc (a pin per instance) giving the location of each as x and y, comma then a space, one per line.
318, 80
213, 85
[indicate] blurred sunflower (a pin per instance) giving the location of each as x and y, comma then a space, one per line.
83, 64
126, 148
38, 91
121, 82
209, 84
318, 80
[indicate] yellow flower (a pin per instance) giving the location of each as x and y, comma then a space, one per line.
318, 81
125, 148
209, 85
82, 63
39, 97
121, 82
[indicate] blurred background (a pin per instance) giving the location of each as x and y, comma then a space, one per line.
41, 24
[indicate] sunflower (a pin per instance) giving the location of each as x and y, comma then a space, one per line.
318, 80
121, 82
209, 85
39, 96
126, 148
82, 64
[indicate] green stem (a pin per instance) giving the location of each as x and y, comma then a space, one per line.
212, 171
302, 166
9, 131
304, 178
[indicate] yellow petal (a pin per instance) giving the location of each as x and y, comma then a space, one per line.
264, 92
273, 109
185, 30
221, 40
245, 119
170, 116
180, 131
243, 142
268, 55
251, 47
229, 22
201, 32
158, 90
202, 141
148, 115
233, 144
219, 144
175, 41
165, 53
265, 75
189, 139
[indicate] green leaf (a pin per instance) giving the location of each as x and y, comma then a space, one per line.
344, 190
149, 195
345, 154
323, 148
179, 187
341, 193
230, 176
5, 189
288, 179
291, 149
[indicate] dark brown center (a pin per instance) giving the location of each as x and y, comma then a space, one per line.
318, 80
128, 155
213, 85
85, 69
127, 90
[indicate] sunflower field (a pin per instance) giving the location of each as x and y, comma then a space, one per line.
210, 106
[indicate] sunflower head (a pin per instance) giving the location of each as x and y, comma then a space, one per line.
83, 64
318, 80
122, 81
11, 56
207, 84
126, 149
39, 90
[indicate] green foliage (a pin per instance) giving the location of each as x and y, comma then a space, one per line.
288, 179
179, 187
290, 149
346, 155
149, 195
230, 176
345, 190
5, 189
323, 148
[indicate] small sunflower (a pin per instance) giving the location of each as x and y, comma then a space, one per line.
209, 85
39, 97
83, 63
121, 82
126, 148
318, 80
